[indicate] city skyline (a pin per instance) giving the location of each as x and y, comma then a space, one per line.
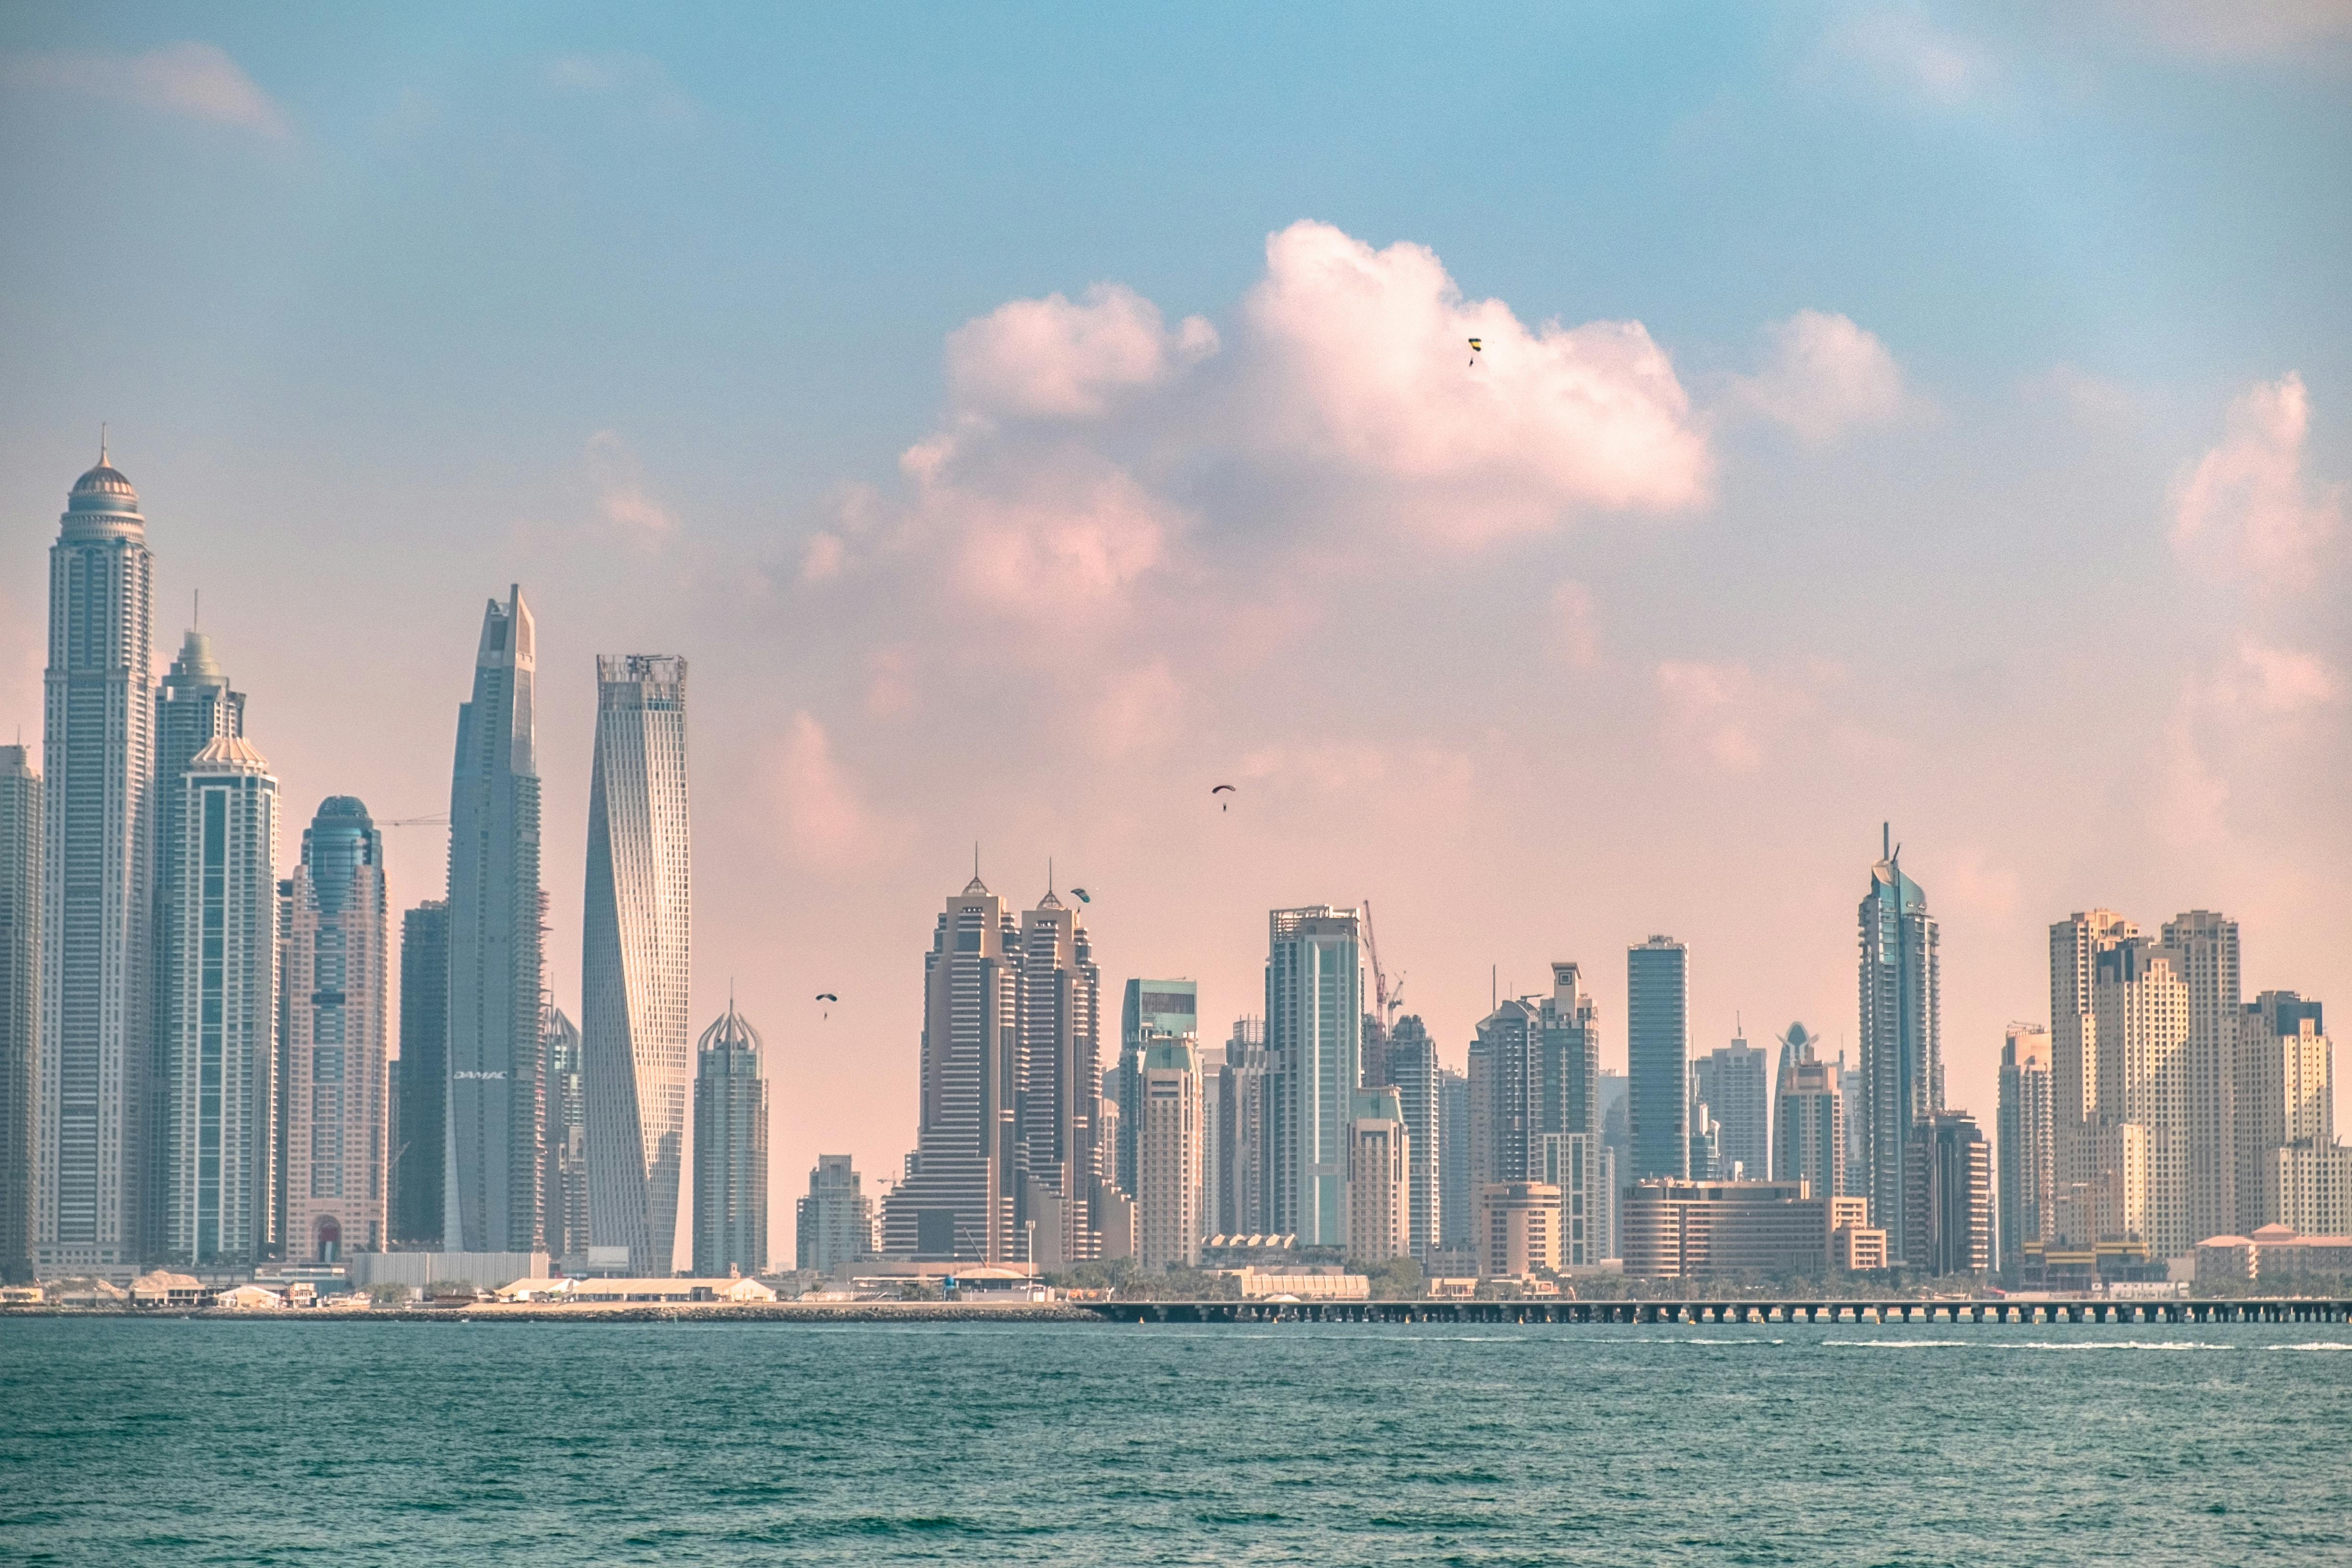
1981, 422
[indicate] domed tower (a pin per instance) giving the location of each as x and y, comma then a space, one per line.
730, 1149
96, 1048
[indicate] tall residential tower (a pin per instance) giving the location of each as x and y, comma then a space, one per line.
336, 1078
635, 933
1902, 1047
495, 1108
90, 1072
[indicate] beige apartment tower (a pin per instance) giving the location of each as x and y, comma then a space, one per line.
1168, 1156
1380, 1178
1519, 1229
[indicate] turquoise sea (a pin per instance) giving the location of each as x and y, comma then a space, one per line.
143, 1441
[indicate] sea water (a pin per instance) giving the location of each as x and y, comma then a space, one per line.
189, 1441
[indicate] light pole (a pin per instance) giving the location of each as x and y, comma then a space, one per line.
1029, 1247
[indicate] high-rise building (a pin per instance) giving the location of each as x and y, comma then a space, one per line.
1811, 1141
333, 971
956, 1197
2205, 952
2284, 1099
1058, 1162
95, 1045
20, 1001
1569, 1028
833, 1225
1457, 1220
730, 1151
1705, 1144
1212, 1085
1243, 1126
1413, 1068
1314, 1027
1380, 1183
636, 928
1947, 1196
1168, 1155
1902, 1045
2026, 1151
567, 1138
2075, 945
422, 1079
1731, 1079
1657, 1050
2140, 1008
1852, 1100
1507, 1095
1164, 1009
1799, 1043
495, 1110
221, 1026
194, 706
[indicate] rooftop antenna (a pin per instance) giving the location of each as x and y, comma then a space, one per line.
1049, 875
1494, 992
102, 443
198, 624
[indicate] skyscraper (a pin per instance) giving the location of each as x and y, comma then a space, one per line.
20, 1000
1657, 1050
2075, 945
1811, 1141
1168, 1156
730, 1149
1243, 1127
956, 1199
567, 1138
1169, 1009
1413, 1066
1314, 1027
1731, 1082
2284, 1099
2140, 1010
1902, 1049
333, 971
90, 1072
2026, 1152
496, 1109
2205, 949
1457, 1222
1569, 1029
1947, 1194
421, 1161
194, 706
636, 925
1058, 1092
1379, 1183
221, 1055
833, 1225
1507, 1096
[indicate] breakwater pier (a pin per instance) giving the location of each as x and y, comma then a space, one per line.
1844, 1310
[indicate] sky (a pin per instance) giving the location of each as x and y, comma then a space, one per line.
1024, 418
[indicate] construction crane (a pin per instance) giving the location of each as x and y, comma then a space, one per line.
440, 821
1385, 1002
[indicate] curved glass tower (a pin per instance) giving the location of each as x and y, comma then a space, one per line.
95, 1055
635, 927
495, 1108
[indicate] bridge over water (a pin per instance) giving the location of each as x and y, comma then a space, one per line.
1846, 1310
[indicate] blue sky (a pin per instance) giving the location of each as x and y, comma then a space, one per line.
644, 308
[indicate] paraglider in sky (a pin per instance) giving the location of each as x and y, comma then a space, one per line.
1477, 347
1084, 897
827, 996
1221, 789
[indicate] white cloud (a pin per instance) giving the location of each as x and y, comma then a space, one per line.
1050, 357
825, 821
1900, 46
1824, 377
2243, 29
195, 81
638, 83
1361, 362
2284, 680
2248, 495
621, 495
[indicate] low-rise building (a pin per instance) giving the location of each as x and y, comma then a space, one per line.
164, 1289
1519, 1229
1687, 1230
2275, 1254
670, 1290
250, 1299
1330, 1284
